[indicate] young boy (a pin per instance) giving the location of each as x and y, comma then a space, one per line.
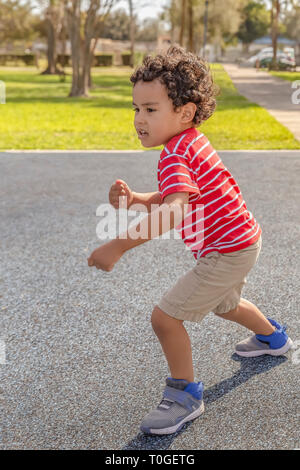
173, 94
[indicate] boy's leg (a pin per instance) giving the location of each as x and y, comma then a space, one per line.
248, 315
182, 398
175, 343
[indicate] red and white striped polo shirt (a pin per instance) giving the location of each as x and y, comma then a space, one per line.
217, 218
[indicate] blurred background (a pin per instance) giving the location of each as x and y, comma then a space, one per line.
65, 68
55, 34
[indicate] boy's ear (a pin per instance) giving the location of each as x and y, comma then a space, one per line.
188, 112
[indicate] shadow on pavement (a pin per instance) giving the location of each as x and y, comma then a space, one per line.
249, 368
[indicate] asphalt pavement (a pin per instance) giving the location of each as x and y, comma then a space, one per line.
79, 363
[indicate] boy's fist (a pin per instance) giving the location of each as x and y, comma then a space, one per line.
118, 190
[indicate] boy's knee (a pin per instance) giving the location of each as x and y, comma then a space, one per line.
157, 319
161, 321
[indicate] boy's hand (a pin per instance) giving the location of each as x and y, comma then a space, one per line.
106, 256
120, 189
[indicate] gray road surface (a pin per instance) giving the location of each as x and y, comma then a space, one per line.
80, 364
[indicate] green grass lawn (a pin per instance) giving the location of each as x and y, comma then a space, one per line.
39, 115
290, 76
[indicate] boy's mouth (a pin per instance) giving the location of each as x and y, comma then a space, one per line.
142, 133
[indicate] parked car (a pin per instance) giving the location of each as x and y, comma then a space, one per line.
263, 53
285, 59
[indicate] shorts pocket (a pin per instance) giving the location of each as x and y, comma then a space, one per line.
206, 264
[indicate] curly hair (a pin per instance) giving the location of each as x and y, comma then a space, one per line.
186, 77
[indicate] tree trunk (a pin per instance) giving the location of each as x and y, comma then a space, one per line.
51, 48
182, 26
89, 33
51, 52
86, 67
131, 33
191, 29
172, 20
274, 18
82, 53
246, 46
64, 44
73, 19
54, 23
205, 28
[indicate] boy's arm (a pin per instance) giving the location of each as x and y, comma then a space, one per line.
173, 211
146, 199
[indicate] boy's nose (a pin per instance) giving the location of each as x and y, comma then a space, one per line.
140, 120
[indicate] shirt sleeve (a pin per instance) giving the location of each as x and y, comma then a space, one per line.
175, 175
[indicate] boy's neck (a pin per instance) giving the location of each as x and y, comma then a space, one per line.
188, 126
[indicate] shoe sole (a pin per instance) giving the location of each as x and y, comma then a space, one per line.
177, 426
271, 352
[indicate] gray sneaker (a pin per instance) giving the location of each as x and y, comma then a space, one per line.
276, 344
182, 401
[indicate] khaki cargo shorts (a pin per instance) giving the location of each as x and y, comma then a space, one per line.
213, 285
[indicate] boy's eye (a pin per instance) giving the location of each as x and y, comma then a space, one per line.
150, 110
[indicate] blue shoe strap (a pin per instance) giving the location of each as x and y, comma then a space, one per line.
195, 389
183, 398
276, 340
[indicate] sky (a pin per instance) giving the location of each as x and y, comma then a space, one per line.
143, 8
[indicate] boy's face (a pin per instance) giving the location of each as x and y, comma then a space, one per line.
155, 120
